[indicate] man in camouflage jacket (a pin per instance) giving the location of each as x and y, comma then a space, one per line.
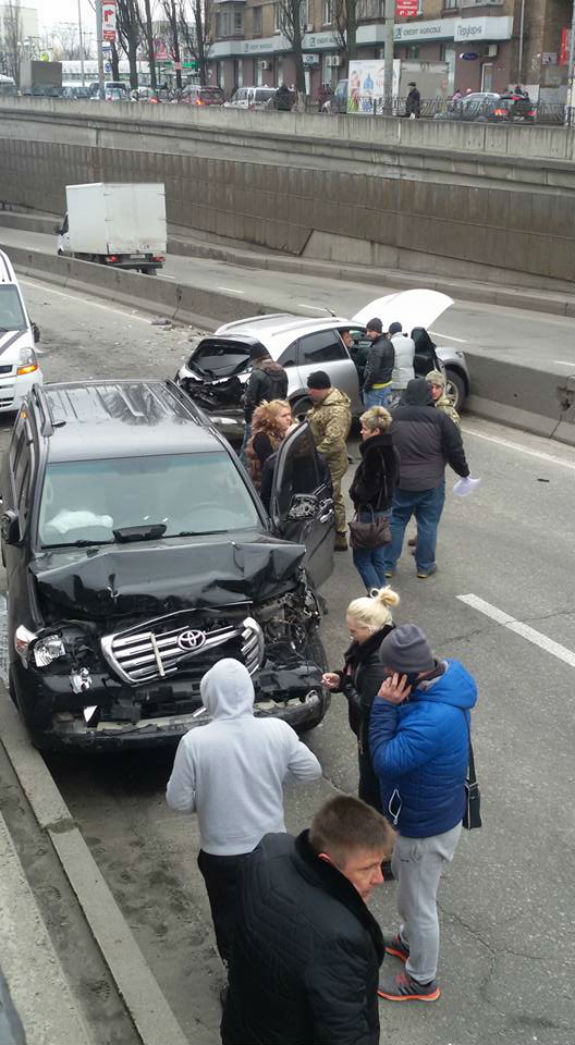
330, 421
440, 398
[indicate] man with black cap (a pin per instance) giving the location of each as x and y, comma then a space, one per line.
268, 380
419, 744
413, 101
379, 366
330, 422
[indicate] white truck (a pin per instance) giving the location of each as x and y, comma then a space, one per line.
118, 224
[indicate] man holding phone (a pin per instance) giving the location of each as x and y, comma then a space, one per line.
419, 744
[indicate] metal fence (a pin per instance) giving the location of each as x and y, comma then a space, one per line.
505, 111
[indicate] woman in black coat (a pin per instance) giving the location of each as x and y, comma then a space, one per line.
372, 489
368, 620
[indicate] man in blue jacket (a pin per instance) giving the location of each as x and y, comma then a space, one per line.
419, 743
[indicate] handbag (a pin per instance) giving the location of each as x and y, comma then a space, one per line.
472, 814
370, 534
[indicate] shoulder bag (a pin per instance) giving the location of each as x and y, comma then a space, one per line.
369, 534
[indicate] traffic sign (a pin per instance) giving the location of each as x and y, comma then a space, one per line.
109, 20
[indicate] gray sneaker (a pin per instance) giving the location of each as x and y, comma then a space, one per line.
395, 946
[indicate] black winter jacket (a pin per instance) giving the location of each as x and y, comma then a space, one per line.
306, 956
426, 440
268, 380
376, 474
379, 364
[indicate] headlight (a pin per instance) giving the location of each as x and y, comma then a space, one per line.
27, 363
48, 649
22, 639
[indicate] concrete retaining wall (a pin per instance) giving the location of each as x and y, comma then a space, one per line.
482, 198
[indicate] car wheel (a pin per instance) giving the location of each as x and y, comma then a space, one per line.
456, 388
301, 405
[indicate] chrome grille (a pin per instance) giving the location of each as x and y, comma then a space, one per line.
151, 652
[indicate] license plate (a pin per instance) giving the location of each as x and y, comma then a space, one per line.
137, 257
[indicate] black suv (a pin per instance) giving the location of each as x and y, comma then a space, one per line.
138, 554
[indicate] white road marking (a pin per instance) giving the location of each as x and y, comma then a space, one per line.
521, 449
314, 308
536, 637
230, 290
87, 300
563, 362
449, 337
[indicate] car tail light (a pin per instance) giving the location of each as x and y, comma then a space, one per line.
199, 101
157, 257
532, 114
112, 258
500, 112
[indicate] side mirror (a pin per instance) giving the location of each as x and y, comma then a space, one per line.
36, 332
9, 527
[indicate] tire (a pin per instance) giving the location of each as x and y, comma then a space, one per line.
147, 271
301, 405
456, 387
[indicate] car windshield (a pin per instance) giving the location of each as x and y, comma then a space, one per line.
220, 358
11, 312
89, 502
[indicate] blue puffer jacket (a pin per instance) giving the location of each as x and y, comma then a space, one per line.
419, 751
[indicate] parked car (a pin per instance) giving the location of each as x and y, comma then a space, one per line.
218, 367
138, 553
252, 98
109, 86
489, 107
19, 367
196, 94
75, 91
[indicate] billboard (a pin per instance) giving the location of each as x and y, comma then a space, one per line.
365, 88
109, 20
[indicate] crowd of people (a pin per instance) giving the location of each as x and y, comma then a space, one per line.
301, 949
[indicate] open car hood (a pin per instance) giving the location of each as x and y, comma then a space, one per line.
156, 578
411, 308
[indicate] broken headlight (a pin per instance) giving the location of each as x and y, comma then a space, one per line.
47, 649
289, 618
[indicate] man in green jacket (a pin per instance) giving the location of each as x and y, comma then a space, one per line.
330, 421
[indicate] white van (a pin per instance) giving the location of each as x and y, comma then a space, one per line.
252, 98
19, 368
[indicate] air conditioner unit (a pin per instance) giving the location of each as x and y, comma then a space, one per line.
491, 51
333, 61
308, 28
265, 65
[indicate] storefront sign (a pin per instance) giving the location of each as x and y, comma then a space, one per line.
469, 56
565, 45
406, 8
310, 59
109, 20
487, 28
425, 30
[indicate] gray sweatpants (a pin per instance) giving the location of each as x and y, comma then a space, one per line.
417, 864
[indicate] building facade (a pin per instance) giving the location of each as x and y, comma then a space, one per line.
487, 45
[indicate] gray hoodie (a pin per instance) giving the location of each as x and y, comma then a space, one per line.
231, 771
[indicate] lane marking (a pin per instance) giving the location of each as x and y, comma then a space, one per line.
563, 362
230, 290
449, 337
522, 449
87, 300
526, 632
314, 308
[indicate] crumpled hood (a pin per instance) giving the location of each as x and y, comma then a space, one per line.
156, 578
227, 690
456, 686
417, 393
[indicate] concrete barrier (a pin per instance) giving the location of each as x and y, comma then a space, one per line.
514, 395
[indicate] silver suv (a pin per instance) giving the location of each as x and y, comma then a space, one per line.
218, 367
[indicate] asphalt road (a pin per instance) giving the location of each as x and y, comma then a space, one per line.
506, 902
529, 338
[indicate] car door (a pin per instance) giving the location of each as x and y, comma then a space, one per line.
301, 505
324, 350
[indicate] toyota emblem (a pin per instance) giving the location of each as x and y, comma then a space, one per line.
190, 641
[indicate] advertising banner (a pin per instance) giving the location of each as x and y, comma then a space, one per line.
109, 20
365, 88
406, 8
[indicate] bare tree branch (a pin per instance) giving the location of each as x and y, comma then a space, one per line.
197, 34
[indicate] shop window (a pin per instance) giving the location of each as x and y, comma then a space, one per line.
327, 12
238, 22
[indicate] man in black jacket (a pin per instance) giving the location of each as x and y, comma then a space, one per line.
307, 950
426, 440
378, 367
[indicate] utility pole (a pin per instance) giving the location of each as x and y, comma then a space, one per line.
82, 70
99, 29
570, 101
388, 57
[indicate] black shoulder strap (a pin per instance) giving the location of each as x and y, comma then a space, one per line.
471, 777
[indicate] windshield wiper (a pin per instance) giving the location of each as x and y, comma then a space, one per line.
150, 532
197, 533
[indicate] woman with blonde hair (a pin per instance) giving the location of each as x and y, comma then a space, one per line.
270, 423
372, 489
368, 620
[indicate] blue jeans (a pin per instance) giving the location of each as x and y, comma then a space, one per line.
377, 397
370, 562
427, 506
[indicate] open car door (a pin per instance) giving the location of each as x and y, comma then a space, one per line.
301, 504
411, 308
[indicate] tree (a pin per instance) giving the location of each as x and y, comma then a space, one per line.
290, 22
12, 42
148, 31
63, 41
345, 15
130, 34
197, 33
171, 13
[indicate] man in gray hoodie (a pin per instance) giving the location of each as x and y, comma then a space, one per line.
230, 772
